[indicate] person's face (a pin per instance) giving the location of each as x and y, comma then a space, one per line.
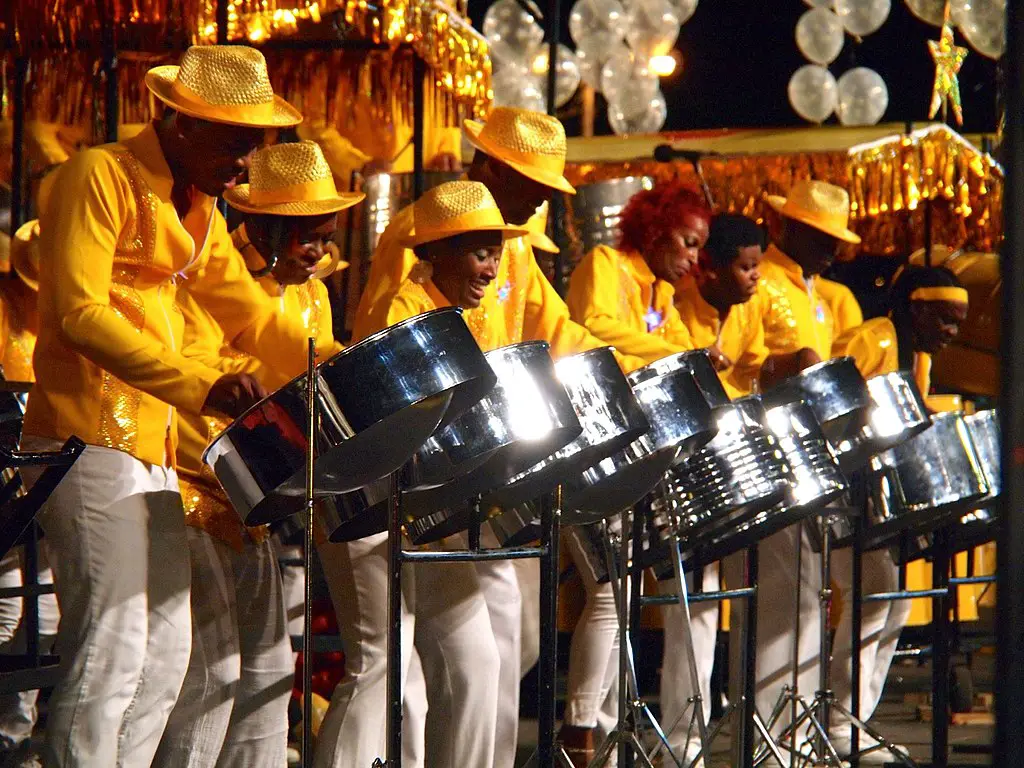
674, 254
936, 323
216, 156
517, 196
307, 243
464, 266
811, 248
737, 283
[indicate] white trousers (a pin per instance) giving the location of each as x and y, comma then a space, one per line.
677, 689
115, 529
18, 710
881, 624
293, 585
233, 707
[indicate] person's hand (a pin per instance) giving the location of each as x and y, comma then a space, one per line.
807, 357
234, 393
720, 361
375, 166
445, 161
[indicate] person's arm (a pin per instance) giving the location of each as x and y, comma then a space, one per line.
246, 314
79, 235
203, 341
593, 301
747, 367
872, 346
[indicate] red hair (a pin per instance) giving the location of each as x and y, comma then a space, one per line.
652, 213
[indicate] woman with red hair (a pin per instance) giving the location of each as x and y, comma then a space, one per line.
624, 296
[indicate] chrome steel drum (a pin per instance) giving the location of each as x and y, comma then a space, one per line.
357, 514
897, 413
681, 423
526, 417
834, 390
516, 526
926, 481
597, 208
698, 362
606, 408
814, 475
984, 429
378, 401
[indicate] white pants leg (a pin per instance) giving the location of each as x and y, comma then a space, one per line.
115, 529
499, 585
414, 712
233, 707
594, 651
18, 711
528, 576
776, 615
461, 665
354, 728
881, 624
293, 585
677, 687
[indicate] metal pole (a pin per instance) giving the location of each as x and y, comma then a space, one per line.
111, 103
749, 670
1009, 687
419, 82
394, 670
856, 621
641, 513
554, 20
550, 517
940, 651
307, 613
18, 205
222, 22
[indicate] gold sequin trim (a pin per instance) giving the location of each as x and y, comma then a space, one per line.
780, 324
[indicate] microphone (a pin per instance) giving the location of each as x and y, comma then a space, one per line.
666, 153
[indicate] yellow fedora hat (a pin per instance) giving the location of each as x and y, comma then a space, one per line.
818, 204
455, 208
530, 142
222, 84
24, 258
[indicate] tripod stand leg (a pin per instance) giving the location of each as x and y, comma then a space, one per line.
394, 670
551, 511
307, 611
859, 726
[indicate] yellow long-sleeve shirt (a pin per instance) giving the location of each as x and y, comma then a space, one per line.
619, 300
795, 313
206, 506
740, 337
108, 362
872, 345
846, 311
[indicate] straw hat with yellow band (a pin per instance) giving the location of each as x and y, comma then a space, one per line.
457, 208
223, 84
531, 143
293, 180
818, 204
24, 254
923, 360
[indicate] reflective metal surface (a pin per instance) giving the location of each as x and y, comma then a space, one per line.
526, 417
698, 362
355, 515
984, 429
597, 208
378, 401
437, 524
814, 475
834, 390
516, 526
681, 423
606, 408
897, 413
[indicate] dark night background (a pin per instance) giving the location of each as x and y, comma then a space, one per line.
738, 56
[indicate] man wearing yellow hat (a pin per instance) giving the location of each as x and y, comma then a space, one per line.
799, 327
233, 706
136, 219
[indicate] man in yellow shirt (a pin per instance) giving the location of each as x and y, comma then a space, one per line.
240, 641
799, 328
132, 221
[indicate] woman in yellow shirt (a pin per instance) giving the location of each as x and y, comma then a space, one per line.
928, 306
624, 296
233, 706
457, 236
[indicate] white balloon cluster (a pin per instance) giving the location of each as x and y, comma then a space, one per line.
859, 97
982, 22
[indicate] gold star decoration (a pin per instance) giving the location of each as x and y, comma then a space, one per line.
949, 57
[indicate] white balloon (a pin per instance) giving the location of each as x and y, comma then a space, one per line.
819, 35
568, 79
685, 9
652, 27
589, 64
625, 71
862, 17
601, 22
515, 88
813, 93
650, 119
983, 23
928, 11
863, 97
511, 32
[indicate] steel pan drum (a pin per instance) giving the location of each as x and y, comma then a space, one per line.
834, 390
698, 362
516, 526
606, 408
526, 417
681, 423
984, 429
597, 208
378, 401
355, 515
897, 413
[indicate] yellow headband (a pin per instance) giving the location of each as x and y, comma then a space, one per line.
940, 293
